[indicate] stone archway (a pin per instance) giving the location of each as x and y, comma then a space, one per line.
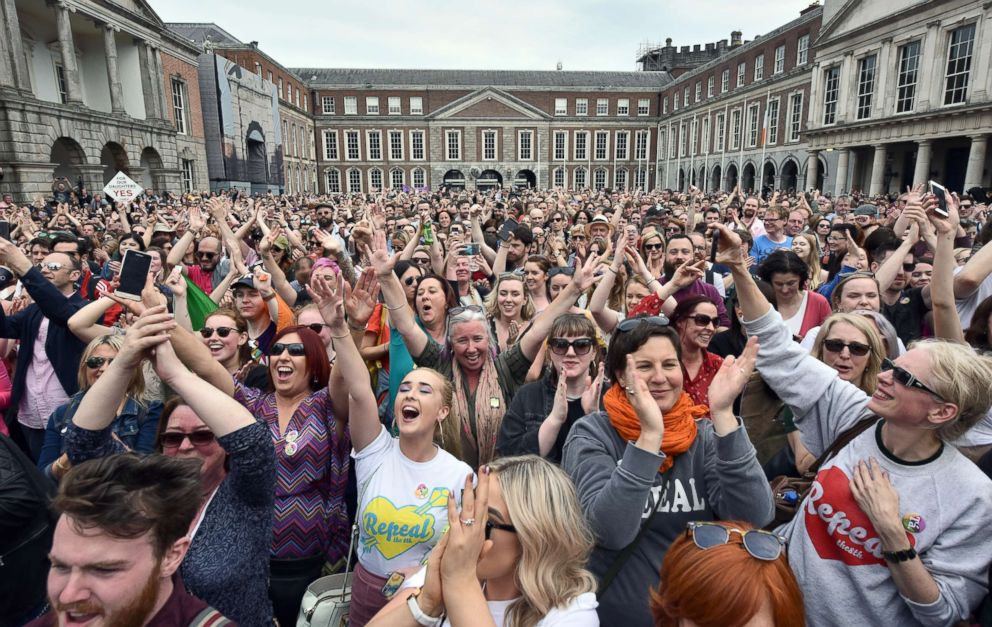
525, 178
488, 179
747, 177
454, 179
768, 176
716, 182
68, 158
790, 175
732, 176
150, 161
114, 159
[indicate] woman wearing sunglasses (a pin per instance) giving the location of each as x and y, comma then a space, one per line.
652, 249
897, 511
727, 573
227, 563
651, 462
135, 419
542, 412
696, 319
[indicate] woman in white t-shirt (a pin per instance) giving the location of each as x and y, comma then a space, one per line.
404, 483
514, 557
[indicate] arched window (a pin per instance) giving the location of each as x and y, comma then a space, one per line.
396, 178
419, 178
620, 179
375, 179
333, 181
354, 180
579, 178
559, 177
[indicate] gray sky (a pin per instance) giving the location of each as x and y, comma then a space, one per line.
510, 35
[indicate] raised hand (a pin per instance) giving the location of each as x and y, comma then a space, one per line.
730, 250
639, 396
263, 282
360, 301
165, 361
150, 330
466, 531
379, 256
196, 221
948, 226
730, 380
585, 275
176, 283
329, 299
559, 407
688, 273
591, 394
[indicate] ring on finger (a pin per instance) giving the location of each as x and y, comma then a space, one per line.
468, 522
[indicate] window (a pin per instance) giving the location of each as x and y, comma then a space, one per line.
602, 139
725, 81
330, 145
285, 136
909, 73
699, 91
830, 89
351, 145
375, 179
187, 176
579, 177
623, 106
297, 96
60, 81
581, 106
752, 125
561, 106
693, 137
866, 85
623, 140
525, 145
581, 145
419, 178
417, 145
371, 105
599, 178
453, 142
705, 140
771, 114
640, 176
396, 178
280, 87
296, 146
179, 105
644, 106
721, 132
489, 145
620, 179
685, 97
374, 139
675, 101
759, 67
710, 83
394, 106
602, 106
333, 181
683, 139
416, 105
795, 116
560, 146
258, 69
664, 105
735, 129
959, 55
780, 59
802, 50
396, 145
672, 146
741, 71
351, 107
270, 75
327, 105
559, 177
354, 180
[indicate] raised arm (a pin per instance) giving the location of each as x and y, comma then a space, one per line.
606, 318
475, 213
176, 283
85, 323
887, 272
400, 314
197, 358
946, 322
279, 282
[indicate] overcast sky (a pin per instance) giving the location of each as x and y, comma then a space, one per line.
509, 35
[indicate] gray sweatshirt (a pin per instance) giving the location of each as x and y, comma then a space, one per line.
946, 503
619, 485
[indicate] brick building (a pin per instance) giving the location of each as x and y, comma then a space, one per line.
743, 116
426, 128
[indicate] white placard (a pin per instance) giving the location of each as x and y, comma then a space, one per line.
122, 189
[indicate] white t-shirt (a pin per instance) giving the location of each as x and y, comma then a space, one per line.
795, 323
403, 508
966, 306
579, 612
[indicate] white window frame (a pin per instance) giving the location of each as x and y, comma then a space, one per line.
623, 106
867, 72
280, 89
60, 83
725, 81
779, 60
620, 179
371, 105
188, 175
372, 183
741, 73
831, 94
759, 67
327, 105
348, 136
599, 177
393, 155
704, 140
585, 135
802, 50
710, 86
416, 105
699, 91
736, 129
795, 116
693, 136
448, 134
487, 133
525, 145
960, 72
908, 76
581, 106
179, 105
353, 180
392, 178
350, 105
336, 187
559, 176
370, 153
561, 106
394, 105
604, 154
642, 143
621, 145
332, 150
418, 173
721, 132
575, 177
560, 148
414, 134
664, 105
683, 139
602, 106
773, 108
753, 124
643, 106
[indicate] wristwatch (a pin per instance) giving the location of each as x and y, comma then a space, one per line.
418, 614
899, 556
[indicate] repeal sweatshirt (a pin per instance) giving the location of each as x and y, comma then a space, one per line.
619, 485
834, 550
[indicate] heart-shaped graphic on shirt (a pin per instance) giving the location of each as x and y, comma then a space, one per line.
395, 530
837, 527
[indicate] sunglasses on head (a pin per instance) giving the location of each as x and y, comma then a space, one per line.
221, 331
454, 311
837, 346
296, 349
173, 439
906, 378
560, 346
702, 320
632, 323
96, 362
762, 545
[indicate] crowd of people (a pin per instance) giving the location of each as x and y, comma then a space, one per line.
505, 407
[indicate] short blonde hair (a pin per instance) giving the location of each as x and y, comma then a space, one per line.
869, 378
960, 375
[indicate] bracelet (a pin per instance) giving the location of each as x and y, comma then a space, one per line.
269, 297
340, 337
418, 614
899, 556
393, 308
354, 328
611, 269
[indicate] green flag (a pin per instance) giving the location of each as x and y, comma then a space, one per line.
198, 303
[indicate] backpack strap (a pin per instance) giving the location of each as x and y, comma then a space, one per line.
209, 617
843, 439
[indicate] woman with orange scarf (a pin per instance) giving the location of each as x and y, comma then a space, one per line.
652, 462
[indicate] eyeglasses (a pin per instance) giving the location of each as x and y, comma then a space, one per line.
553, 272
579, 238
762, 545
454, 311
316, 327
410, 280
54, 266
823, 225
206, 254
906, 378
557, 219
908, 267
173, 439
97, 362
703, 320
296, 349
837, 346
490, 525
632, 323
206, 332
650, 247
560, 346
420, 261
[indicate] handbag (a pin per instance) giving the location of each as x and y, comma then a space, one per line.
789, 492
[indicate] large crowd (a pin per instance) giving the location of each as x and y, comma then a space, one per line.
504, 407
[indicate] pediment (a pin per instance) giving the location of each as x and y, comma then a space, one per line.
487, 104
855, 15
139, 8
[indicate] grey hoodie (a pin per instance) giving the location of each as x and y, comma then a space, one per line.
619, 485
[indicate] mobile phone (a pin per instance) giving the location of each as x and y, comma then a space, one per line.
940, 193
715, 246
134, 274
5, 230
509, 226
471, 249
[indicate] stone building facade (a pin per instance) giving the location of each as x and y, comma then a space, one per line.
902, 93
379, 129
82, 96
742, 117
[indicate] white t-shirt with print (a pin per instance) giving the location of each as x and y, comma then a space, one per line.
403, 508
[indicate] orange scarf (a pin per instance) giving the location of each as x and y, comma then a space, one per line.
680, 422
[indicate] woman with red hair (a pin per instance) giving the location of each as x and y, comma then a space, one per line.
727, 574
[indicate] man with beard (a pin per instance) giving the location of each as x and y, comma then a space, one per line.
325, 216
121, 535
516, 248
680, 251
750, 217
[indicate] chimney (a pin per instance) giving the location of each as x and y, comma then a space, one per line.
735, 38
253, 44
668, 42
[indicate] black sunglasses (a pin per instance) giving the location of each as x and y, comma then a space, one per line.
207, 254
702, 320
906, 378
762, 545
296, 349
837, 346
490, 525
173, 439
221, 331
559, 346
908, 267
96, 362
658, 246
410, 280
420, 261
316, 327
553, 272
632, 323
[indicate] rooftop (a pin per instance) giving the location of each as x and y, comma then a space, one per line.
203, 32
328, 77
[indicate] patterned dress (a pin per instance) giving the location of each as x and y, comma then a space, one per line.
311, 474
699, 388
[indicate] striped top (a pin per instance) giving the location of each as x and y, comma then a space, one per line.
311, 474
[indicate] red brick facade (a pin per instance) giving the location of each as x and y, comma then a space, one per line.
176, 68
